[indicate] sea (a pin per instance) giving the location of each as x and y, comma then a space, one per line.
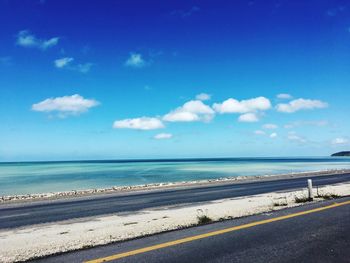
44, 177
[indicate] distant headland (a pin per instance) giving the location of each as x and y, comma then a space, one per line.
343, 153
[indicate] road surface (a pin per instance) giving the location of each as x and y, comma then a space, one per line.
318, 232
12, 216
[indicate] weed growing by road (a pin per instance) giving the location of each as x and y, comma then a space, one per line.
280, 204
302, 199
204, 220
328, 196
202, 217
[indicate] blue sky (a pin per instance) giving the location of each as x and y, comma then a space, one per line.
172, 79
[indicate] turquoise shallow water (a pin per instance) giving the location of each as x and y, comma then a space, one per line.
42, 177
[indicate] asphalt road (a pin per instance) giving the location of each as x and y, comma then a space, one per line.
44, 212
319, 236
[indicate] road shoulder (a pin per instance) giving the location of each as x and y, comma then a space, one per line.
47, 239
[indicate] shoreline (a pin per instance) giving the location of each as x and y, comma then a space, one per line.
24, 198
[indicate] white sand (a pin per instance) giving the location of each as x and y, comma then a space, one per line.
45, 239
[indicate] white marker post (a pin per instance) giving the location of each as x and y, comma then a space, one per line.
309, 186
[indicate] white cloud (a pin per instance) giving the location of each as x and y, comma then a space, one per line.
301, 104
244, 106
84, 68
284, 96
335, 11
259, 132
162, 136
270, 126
292, 136
49, 43
273, 135
194, 110
135, 60
181, 116
340, 141
248, 117
143, 123
66, 105
26, 39
63, 62
67, 63
320, 123
263, 133
203, 96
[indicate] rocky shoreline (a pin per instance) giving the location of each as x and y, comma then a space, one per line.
159, 186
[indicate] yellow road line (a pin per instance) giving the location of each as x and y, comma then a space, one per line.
210, 234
